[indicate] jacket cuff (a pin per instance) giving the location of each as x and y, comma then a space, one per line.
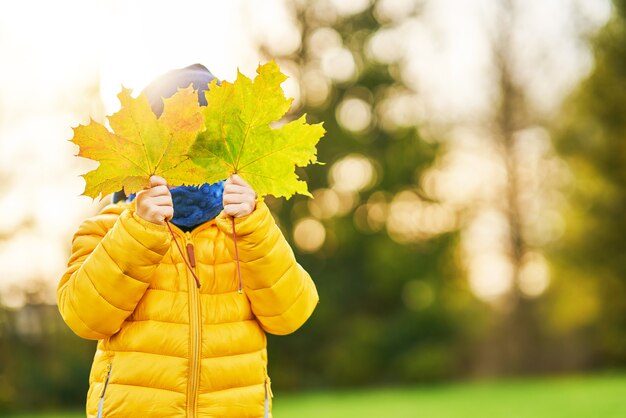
153, 236
245, 225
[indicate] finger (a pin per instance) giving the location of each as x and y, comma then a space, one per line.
157, 181
161, 212
236, 179
168, 213
236, 198
159, 191
230, 210
142, 195
232, 200
247, 186
235, 210
162, 201
235, 189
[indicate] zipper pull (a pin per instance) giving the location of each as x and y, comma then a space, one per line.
191, 254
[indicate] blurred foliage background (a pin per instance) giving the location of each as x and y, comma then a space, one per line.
445, 244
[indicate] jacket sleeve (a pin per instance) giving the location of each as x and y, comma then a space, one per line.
281, 292
113, 259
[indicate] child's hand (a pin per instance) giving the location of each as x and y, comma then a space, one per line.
154, 204
239, 198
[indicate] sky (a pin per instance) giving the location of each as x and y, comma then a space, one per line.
64, 62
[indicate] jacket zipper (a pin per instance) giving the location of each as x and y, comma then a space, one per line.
268, 395
104, 389
194, 324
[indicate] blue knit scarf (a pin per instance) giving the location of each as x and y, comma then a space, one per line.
195, 205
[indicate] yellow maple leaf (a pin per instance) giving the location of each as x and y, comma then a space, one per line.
238, 137
142, 145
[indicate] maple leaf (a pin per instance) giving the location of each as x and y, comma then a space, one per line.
238, 137
142, 145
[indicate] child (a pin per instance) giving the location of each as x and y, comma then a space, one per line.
170, 345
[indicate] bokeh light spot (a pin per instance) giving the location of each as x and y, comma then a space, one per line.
309, 235
354, 115
352, 173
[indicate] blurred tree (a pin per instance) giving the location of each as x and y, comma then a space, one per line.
509, 221
513, 344
592, 137
393, 307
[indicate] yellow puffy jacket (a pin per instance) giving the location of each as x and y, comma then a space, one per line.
166, 347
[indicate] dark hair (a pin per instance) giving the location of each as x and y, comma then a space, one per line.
166, 86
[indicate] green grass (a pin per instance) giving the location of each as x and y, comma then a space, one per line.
601, 397
572, 397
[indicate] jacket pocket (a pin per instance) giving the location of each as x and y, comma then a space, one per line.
104, 389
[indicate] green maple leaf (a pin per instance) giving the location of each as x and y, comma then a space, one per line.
142, 145
238, 137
